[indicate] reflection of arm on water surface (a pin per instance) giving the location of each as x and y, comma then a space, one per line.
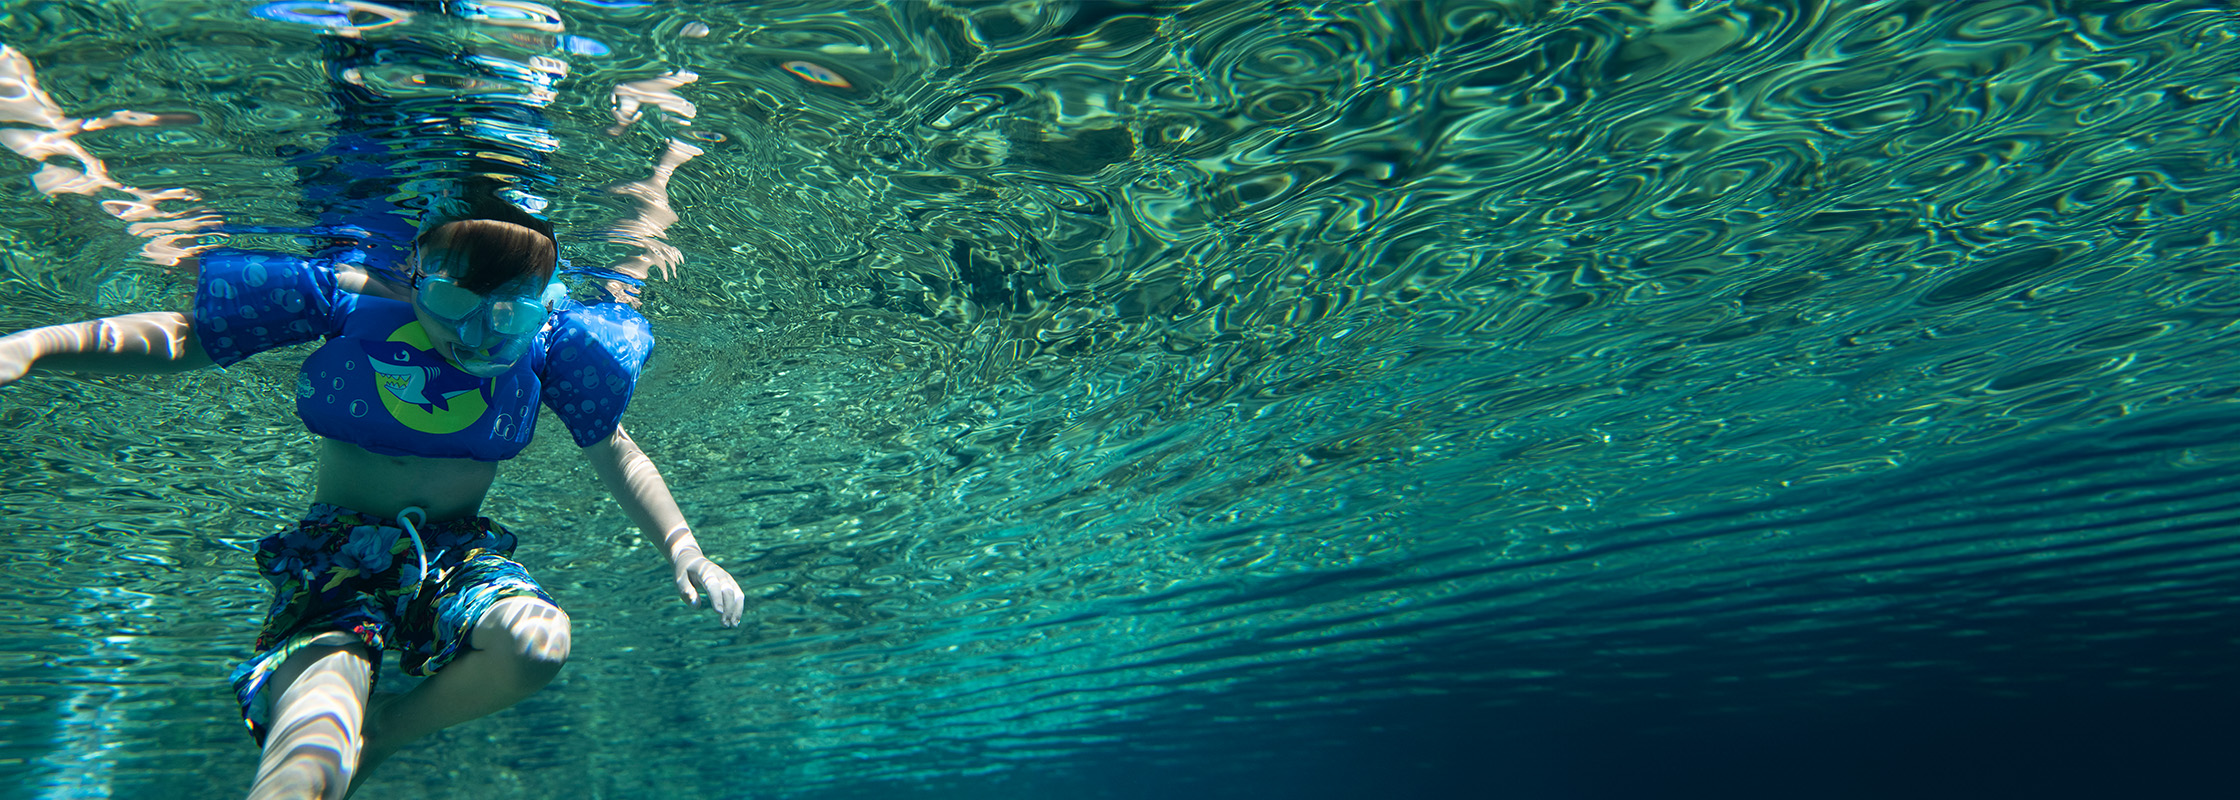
22, 101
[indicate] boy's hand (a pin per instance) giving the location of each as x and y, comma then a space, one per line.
696, 574
16, 354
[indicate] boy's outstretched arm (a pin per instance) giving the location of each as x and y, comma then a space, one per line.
152, 342
634, 482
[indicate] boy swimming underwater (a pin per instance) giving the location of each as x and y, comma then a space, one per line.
439, 342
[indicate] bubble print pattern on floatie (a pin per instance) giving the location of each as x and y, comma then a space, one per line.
251, 302
597, 352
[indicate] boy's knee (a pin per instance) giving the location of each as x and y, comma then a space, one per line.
534, 633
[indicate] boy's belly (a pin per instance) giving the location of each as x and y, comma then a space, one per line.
359, 480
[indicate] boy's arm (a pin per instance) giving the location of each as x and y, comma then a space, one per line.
637, 485
153, 342
356, 280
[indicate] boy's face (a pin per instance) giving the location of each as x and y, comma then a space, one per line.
481, 334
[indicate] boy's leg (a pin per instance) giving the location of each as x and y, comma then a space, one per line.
518, 647
313, 743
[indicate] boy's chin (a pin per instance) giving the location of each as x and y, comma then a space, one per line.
480, 368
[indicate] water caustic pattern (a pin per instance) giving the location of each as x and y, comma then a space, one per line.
1177, 381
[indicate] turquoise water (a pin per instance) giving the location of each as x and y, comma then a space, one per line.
1237, 399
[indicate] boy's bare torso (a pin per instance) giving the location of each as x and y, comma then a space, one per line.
355, 478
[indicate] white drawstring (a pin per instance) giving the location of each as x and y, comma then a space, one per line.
403, 517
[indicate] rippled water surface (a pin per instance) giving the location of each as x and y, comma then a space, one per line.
1138, 399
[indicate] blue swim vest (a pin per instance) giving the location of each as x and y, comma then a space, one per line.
376, 382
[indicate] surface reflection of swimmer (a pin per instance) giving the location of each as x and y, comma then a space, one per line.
416, 397
53, 135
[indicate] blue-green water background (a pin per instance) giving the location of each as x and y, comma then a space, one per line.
1243, 399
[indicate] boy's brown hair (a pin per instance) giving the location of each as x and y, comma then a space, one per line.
483, 254
492, 243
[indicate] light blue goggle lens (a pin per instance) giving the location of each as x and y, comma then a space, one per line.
510, 317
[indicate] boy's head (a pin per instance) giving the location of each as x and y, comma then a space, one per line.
491, 244
482, 292
484, 254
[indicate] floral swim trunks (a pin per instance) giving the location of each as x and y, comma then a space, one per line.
341, 570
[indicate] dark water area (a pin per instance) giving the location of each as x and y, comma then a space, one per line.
2084, 668
1930, 744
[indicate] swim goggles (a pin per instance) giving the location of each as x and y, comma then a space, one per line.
509, 316
508, 325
